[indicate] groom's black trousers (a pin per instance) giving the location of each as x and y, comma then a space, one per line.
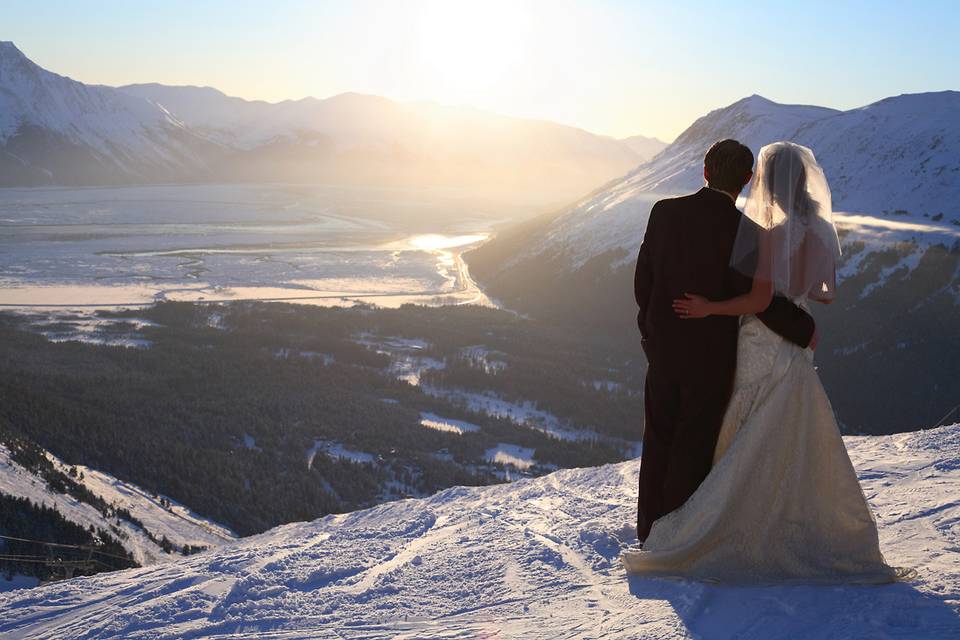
683, 419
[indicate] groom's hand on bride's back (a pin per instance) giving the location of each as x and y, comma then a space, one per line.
814, 340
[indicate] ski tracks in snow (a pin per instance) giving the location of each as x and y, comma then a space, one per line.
533, 559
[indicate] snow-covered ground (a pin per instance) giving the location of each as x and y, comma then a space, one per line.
177, 523
511, 454
480, 355
17, 582
433, 421
407, 361
338, 451
537, 558
84, 325
526, 414
409, 364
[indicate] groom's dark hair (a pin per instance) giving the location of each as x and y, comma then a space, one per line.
728, 165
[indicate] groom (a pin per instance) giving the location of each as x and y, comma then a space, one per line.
691, 363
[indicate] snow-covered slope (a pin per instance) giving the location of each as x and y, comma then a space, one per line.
52, 126
537, 558
154, 521
902, 152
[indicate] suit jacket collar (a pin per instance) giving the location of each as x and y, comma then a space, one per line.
716, 196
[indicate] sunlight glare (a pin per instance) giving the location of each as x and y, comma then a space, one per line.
433, 241
469, 48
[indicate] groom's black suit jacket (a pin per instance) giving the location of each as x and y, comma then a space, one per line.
687, 249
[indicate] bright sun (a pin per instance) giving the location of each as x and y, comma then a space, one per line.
468, 49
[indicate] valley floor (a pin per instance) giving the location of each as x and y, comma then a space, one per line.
537, 558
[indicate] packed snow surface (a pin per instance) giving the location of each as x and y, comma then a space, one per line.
537, 558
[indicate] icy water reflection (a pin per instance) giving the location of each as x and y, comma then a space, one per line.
103, 247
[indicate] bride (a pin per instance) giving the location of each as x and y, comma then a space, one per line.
782, 501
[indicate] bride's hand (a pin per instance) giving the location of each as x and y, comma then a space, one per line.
691, 306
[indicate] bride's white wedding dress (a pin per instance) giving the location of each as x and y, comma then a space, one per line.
782, 502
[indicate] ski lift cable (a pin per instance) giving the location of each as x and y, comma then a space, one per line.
68, 546
947, 415
50, 544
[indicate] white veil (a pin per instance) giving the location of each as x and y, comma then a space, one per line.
787, 234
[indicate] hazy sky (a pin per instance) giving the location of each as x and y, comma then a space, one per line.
618, 68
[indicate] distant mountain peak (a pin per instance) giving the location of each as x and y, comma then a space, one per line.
761, 105
183, 87
8, 48
640, 137
10, 55
645, 147
357, 95
755, 98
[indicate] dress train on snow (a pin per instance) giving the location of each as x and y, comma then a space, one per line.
782, 502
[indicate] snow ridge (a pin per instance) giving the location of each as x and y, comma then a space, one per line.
536, 558
175, 522
117, 126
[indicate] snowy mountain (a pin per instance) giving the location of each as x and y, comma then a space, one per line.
56, 130
894, 169
95, 500
754, 121
900, 153
536, 558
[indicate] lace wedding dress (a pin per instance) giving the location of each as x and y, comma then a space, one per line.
782, 502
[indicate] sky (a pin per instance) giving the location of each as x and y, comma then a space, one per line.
612, 67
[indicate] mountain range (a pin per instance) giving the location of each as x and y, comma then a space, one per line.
889, 343
54, 130
57, 131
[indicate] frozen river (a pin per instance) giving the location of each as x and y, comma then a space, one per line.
316, 245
